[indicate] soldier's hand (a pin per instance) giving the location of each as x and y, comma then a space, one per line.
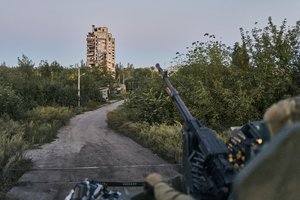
153, 179
150, 181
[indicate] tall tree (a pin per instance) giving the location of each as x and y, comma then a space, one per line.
26, 66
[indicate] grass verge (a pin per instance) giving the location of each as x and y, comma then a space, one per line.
164, 140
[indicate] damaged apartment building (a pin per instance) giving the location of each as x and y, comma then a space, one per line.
100, 48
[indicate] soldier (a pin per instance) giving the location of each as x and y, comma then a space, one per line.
273, 174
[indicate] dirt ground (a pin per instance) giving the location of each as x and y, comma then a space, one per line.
87, 148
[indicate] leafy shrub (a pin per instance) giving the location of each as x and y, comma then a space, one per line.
148, 102
49, 114
92, 105
117, 117
43, 123
12, 144
163, 139
11, 103
133, 130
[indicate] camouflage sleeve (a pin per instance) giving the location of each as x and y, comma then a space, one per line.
163, 191
282, 114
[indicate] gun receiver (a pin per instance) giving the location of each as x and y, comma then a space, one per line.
207, 173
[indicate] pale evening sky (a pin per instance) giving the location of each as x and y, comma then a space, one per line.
146, 32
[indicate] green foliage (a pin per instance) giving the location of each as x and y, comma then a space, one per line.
274, 63
42, 99
40, 126
11, 103
117, 117
222, 86
46, 114
148, 101
225, 86
12, 145
54, 85
43, 122
11, 176
12, 148
124, 73
163, 139
211, 53
26, 66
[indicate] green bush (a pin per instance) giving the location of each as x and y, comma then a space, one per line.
92, 106
12, 144
117, 117
40, 126
49, 114
133, 130
163, 139
10, 103
43, 122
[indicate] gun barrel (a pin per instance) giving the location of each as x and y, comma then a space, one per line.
207, 172
174, 94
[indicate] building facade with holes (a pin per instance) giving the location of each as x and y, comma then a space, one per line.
100, 48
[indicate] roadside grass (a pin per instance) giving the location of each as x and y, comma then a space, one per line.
42, 123
164, 140
12, 174
12, 147
38, 127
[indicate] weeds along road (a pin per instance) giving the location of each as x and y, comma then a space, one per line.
87, 148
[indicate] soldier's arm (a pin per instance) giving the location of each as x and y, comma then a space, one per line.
282, 114
162, 191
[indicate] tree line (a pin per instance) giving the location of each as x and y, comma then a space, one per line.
223, 85
25, 86
35, 101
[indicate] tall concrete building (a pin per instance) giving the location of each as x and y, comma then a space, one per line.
100, 48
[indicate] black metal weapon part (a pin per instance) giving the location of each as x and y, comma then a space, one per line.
207, 173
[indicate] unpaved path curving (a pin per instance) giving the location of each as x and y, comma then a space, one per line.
87, 148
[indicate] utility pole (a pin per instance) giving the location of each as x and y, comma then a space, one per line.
78, 85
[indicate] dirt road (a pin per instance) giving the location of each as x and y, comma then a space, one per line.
87, 148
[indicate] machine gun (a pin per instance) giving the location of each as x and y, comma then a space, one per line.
207, 173
245, 142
